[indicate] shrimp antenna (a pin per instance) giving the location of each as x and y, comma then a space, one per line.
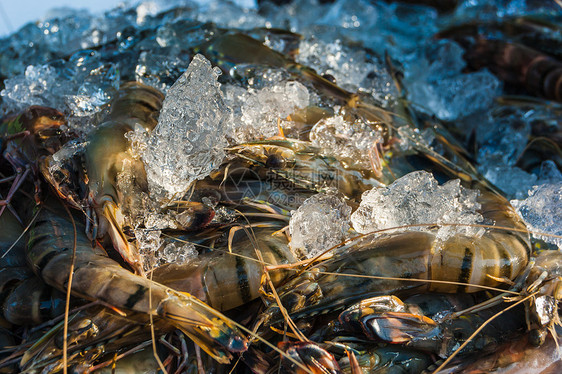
25, 230
68, 288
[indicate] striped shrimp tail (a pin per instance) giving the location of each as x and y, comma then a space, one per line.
215, 333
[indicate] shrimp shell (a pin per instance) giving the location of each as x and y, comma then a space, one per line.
97, 277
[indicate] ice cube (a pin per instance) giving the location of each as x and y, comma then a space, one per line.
187, 144
417, 198
320, 223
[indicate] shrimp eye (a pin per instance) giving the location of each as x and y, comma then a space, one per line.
329, 77
274, 162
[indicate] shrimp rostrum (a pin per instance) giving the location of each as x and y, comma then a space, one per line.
51, 244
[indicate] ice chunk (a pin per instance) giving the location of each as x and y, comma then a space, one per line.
513, 181
453, 97
256, 111
350, 69
189, 139
542, 211
416, 198
450, 98
57, 161
320, 223
353, 142
31, 88
148, 243
177, 254
435, 83
549, 173
159, 70
504, 135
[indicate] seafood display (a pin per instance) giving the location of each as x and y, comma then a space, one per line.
282, 186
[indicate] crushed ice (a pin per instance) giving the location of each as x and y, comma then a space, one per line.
320, 223
436, 84
417, 198
256, 112
354, 143
542, 209
190, 137
155, 251
350, 69
148, 43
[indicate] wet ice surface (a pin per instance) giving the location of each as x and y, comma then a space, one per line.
320, 223
542, 211
189, 139
417, 198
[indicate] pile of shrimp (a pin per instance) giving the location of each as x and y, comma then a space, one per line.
78, 295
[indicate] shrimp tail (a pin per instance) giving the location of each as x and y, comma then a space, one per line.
213, 332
